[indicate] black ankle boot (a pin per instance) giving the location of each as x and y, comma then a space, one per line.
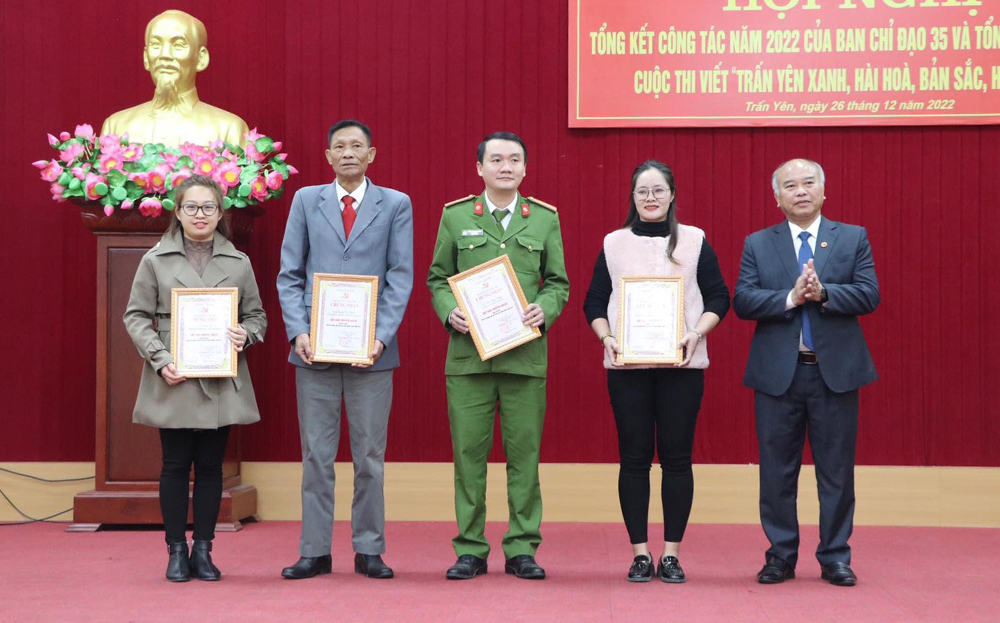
178, 569
201, 562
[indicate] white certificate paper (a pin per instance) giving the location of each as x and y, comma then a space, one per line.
199, 318
650, 319
491, 299
342, 323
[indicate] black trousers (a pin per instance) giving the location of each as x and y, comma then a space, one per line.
656, 410
182, 448
831, 422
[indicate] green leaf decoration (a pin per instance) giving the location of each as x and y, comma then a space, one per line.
240, 203
264, 144
244, 191
227, 203
64, 178
118, 194
116, 178
168, 204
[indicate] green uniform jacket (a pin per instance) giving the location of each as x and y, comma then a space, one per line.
534, 245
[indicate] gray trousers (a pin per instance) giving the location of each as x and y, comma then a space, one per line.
367, 397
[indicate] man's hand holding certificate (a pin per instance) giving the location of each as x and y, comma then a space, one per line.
492, 307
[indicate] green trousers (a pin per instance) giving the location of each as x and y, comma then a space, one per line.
472, 407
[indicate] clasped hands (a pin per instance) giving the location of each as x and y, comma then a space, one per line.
304, 351
533, 317
807, 286
237, 335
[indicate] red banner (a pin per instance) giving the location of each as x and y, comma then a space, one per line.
707, 63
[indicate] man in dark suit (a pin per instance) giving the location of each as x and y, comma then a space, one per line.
353, 227
805, 282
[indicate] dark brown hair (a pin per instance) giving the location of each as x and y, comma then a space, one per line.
206, 182
633, 211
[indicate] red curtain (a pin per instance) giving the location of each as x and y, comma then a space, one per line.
431, 79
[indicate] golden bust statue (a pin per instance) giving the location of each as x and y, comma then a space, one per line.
174, 54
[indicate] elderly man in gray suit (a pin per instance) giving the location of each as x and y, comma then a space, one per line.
805, 282
349, 227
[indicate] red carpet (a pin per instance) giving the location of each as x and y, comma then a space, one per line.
906, 575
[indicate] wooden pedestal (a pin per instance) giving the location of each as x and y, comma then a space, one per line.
127, 458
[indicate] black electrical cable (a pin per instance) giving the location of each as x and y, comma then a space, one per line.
29, 518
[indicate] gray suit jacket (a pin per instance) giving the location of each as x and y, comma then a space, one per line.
381, 244
768, 270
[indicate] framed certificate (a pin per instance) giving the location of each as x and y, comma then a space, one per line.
492, 300
199, 318
650, 319
342, 323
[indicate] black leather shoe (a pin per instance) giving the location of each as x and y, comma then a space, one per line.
670, 570
201, 562
839, 574
372, 566
307, 567
178, 566
775, 571
466, 567
641, 569
524, 567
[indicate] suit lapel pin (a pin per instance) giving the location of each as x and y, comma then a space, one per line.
525, 211
824, 244
479, 208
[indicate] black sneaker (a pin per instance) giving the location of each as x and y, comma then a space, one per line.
641, 569
670, 570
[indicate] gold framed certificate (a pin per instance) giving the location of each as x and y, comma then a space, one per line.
199, 344
650, 319
342, 323
493, 302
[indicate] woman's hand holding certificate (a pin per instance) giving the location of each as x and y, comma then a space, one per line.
202, 330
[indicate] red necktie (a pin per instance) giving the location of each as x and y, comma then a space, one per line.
349, 215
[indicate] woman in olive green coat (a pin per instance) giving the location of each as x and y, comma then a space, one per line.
193, 415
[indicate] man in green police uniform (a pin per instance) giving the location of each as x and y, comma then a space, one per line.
474, 230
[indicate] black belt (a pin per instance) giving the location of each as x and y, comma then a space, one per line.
808, 357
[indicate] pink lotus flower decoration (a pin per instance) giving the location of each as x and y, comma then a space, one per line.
228, 175
117, 173
205, 167
109, 162
274, 180
151, 207
158, 179
71, 153
258, 189
95, 187
84, 131
50, 170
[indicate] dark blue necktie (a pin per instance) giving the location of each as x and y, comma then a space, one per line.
805, 254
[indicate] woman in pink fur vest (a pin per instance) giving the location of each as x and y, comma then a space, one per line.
656, 406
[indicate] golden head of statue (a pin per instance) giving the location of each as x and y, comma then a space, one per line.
175, 51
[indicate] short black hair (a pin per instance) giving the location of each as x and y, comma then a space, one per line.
503, 136
348, 123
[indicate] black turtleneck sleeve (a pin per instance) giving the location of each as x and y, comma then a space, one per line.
713, 287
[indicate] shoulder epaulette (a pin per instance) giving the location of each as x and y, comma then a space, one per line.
543, 204
458, 201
